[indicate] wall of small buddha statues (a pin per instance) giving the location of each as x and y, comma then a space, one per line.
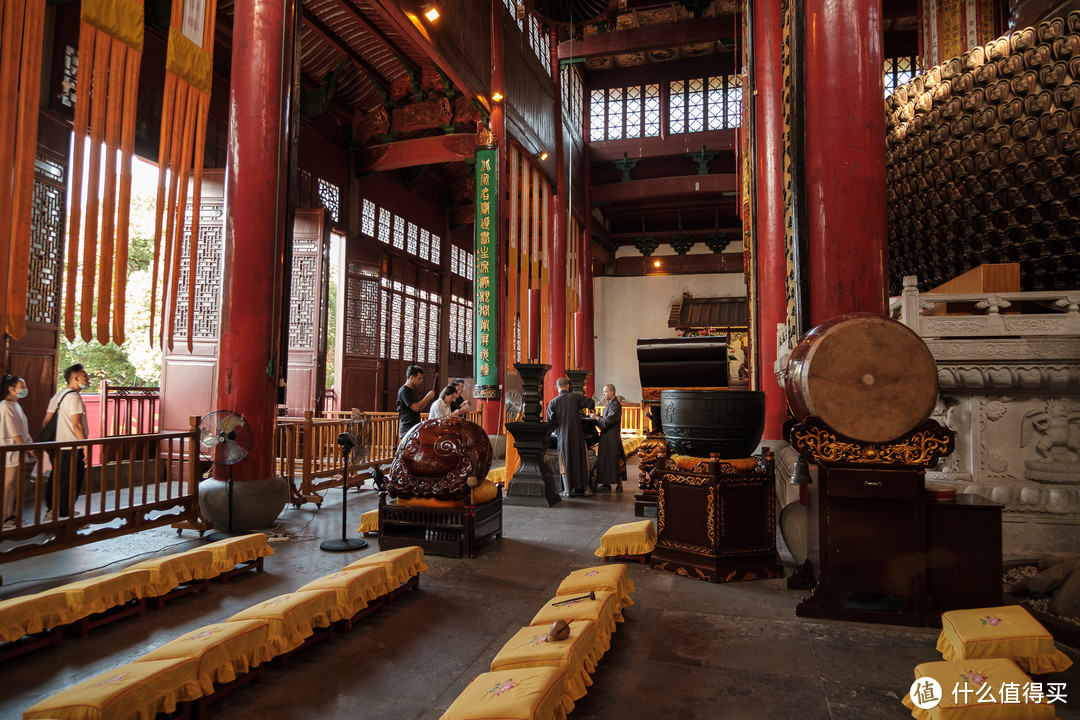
983, 161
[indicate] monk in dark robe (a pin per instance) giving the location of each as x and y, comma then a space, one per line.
565, 410
610, 459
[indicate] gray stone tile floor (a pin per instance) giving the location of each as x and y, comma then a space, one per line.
688, 650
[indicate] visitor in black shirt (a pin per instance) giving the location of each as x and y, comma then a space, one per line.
459, 383
408, 406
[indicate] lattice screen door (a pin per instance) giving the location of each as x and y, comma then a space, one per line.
306, 378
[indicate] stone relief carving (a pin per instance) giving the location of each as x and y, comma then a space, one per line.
949, 413
1022, 349
1002, 377
1055, 430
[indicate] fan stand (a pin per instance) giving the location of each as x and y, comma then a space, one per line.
230, 533
345, 543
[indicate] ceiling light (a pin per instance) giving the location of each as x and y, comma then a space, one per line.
656, 263
496, 97
431, 13
543, 156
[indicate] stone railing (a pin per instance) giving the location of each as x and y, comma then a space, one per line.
1009, 382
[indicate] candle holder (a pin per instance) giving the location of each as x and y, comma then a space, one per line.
533, 483
577, 379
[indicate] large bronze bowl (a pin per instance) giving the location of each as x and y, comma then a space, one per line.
702, 422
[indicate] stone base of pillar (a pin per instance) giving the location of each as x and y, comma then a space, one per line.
256, 503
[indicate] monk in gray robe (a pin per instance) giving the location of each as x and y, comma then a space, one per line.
565, 410
610, 459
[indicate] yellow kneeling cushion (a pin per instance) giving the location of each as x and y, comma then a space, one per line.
483, 492
354, 588
577, 655
602, 577
977, 690
293, 617
137, 691
521, 694
1008, 631
633, 538
31, 614
400, 564
231, 552
166, 573
101, 593
221, 652
369, 522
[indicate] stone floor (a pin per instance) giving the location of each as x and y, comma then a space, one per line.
689, 649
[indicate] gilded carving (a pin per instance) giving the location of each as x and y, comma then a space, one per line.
923, 447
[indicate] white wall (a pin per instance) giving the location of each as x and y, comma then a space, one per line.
628, 308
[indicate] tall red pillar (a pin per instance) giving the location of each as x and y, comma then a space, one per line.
558, 215
492, 411
255, 230
845, 157
769, 210
589, 346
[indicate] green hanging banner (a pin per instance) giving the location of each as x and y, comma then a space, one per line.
486, 277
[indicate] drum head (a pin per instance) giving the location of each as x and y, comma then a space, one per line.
867, 377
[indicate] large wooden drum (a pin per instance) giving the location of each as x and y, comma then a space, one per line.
867, 377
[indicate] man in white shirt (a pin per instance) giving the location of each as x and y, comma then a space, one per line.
70, 411
441, 407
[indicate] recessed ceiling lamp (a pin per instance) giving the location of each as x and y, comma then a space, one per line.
496, 97
431, 13
543, 156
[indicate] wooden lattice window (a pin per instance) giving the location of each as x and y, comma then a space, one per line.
413, 323
367, 218
899, 71
362, 310
700, 104
385, 224
461, 323
629, 112
330, 194
46, 241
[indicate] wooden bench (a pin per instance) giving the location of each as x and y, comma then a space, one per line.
455, 532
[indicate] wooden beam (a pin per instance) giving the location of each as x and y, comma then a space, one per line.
327, 35
688, 188
625, 238
420, 151
680, 264
680, 144
355, 16
655, 37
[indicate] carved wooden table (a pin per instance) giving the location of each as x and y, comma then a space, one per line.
715, 522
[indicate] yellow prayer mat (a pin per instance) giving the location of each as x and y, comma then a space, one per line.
369, 523
602, 577
604, 611
400, 564
633, 538
631, 443
576, 655
31, 614
982, 689
355, 589
522, 694
221, 652
136, 691
1008, 631
497, 475
231, 552
101, 593
166, 573
293, 617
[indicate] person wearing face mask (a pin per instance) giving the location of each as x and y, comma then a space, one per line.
71, 425
13, 431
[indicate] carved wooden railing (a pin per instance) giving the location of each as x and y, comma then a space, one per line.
126, 411
635, 418
1060, 316
152, 480
307, 448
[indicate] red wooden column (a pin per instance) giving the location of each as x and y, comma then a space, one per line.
255, 230
492, 417
769, 213
845, 157
588, 346
555, 340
